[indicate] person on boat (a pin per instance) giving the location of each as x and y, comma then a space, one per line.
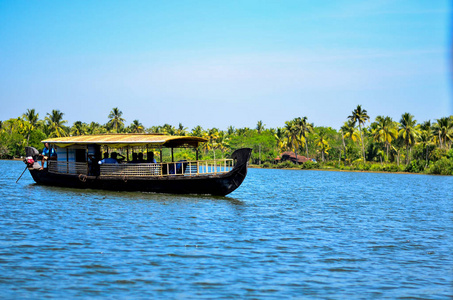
140, 158
150, 157
109, 160
47, 153
134, 158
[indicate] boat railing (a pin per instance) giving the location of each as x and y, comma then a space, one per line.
63, 167
180, 168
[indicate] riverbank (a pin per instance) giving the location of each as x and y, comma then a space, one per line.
441, 167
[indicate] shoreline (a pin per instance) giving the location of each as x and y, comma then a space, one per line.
327, 170
351, 171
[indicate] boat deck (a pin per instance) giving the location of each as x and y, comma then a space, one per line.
180, 168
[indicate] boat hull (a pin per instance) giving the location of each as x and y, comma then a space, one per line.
219, 184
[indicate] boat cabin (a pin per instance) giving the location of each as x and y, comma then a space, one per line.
136, 155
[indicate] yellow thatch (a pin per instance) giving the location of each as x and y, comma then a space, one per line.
124, 140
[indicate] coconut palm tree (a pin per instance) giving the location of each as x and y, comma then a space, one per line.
197, 131
115, 120
260, 126
304, 129
136, 127
322, 142
293, 133
222, 142
408, 132
426, 138
231, 130
349, 131
168, 129
181, 130
280, 136
55, 124
443, 129
78, 128
360, 116
385, 131
33, 119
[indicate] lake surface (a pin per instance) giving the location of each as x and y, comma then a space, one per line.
282, 234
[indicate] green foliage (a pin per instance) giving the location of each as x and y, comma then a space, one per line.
286, 165
385, 145
415, 166
308, 165
443, 166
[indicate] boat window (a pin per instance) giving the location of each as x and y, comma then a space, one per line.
80, 155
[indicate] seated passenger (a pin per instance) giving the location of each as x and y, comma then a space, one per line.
140, 158
111, 160
118, 158
150, 157
134, 158
47, 153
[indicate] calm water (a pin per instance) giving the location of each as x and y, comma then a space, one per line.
283, 233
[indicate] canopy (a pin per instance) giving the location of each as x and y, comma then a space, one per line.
124, 140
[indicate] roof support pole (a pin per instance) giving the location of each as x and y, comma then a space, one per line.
172, 158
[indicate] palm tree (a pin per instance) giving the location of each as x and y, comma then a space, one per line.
385, 131
231, 130
78, 128
322, 143
443, 129
94, 128
181, 130
168, 129
197, 131
304, 129
260, 126
293, 134
154, 129
56, 123
360, 116
116, 121
408, 132
222, 142
32, 118
280, 135
136, 127
350, 131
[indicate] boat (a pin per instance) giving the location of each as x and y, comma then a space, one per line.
78, 164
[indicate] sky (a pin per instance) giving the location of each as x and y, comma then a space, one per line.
226, 63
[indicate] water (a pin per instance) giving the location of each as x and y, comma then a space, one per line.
282, 234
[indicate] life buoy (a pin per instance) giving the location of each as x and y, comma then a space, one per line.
82, 177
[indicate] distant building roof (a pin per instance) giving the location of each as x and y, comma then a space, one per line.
288, 155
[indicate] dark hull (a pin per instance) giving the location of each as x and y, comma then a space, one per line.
204, 184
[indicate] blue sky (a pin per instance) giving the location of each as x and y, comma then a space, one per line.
221, 63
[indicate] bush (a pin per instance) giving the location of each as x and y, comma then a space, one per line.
376, 167
415, 166
443, 166
286, 164
309, 165
391, 168
268, 165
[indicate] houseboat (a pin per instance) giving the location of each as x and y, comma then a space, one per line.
78, 163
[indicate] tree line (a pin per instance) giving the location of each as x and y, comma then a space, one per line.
360, 144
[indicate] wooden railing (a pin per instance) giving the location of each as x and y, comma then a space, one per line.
181, 168
63, 167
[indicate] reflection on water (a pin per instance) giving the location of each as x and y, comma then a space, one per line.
282, 234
